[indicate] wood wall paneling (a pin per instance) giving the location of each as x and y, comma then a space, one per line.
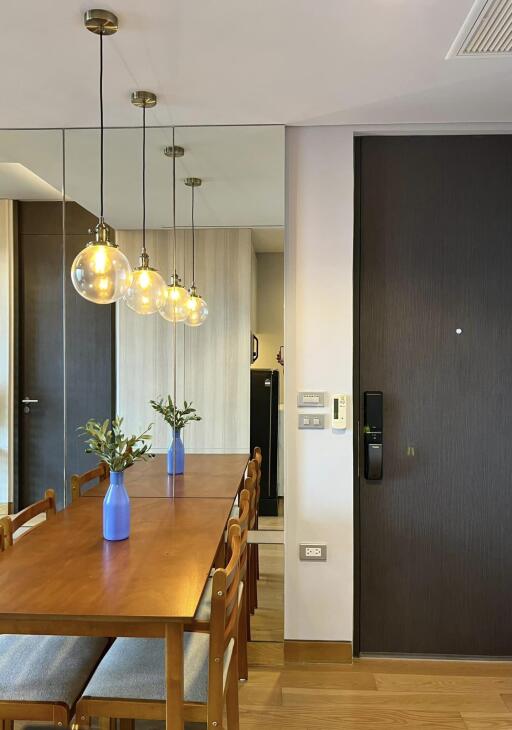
212, 364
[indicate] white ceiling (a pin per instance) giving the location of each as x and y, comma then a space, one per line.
17, 182
242, 169
241, 62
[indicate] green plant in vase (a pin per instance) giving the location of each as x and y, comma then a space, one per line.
118, 451
177, 418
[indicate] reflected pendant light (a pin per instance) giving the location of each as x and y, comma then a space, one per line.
101, 272
197, 309
146, 293
174, 307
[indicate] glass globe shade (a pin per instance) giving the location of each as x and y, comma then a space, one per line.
197, 311
146, 292
174, 308
101, 273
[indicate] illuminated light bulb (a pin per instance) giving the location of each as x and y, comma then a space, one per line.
101, 273
197, 309
146, 293
174, 308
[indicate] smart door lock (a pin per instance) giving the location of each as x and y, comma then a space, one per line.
373, 421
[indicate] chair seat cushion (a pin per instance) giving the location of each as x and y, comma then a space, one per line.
47, 668
204, 609
135, 669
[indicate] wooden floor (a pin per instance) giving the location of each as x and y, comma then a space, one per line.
374, 694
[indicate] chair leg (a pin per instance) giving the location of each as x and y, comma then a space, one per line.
125, 724
7, 724
232, 712
243, 668
252, 578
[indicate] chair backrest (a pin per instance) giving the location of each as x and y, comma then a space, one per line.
100, 473
244, 505
257, 456
223, 627
4, 530
14, 522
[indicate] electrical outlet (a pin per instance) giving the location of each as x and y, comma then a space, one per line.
313, 551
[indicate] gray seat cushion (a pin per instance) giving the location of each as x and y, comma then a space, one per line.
135, 669
204, 609
47, 668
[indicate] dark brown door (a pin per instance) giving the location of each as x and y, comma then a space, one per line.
41, 348
434, 226
65, 352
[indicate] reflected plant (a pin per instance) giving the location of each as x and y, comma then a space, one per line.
177, 418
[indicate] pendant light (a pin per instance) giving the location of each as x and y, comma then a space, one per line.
174, 307
147, 288
101, 273
197, 309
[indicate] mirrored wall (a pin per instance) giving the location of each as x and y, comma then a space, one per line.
64, 360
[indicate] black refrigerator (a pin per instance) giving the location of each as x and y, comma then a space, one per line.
264, 432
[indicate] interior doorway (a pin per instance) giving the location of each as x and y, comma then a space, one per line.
433, 233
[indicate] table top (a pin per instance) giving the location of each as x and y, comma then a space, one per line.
65, 569
210, 476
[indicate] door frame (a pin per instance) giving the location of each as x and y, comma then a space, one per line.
356, 405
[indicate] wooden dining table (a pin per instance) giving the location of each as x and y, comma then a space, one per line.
206, 476
63, 578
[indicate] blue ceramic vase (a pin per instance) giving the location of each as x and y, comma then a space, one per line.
177, 450
116, 509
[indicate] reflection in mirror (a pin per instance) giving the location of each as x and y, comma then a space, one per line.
32, 321
239, 242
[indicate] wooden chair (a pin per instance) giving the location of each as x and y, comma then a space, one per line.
257, 456
130, 681
41, 677
202, 618
252, 484
14, 522
100, 472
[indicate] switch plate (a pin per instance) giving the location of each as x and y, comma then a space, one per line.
310, 399
313, 551
311, 421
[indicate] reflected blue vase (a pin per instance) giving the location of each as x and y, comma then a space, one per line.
177, 451
116, 509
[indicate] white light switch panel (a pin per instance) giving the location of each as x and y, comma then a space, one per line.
310, 399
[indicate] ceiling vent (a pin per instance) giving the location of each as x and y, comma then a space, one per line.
486, 32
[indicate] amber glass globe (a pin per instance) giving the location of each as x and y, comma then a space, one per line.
174, 308
101, 273
146, 292
197, 310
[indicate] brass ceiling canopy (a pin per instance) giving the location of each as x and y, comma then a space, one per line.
174, 151
101, 22
193, 182
144, 99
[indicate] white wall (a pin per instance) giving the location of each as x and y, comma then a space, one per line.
6, 350
318, 355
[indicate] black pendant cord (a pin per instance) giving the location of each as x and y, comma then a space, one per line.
144, 253
101, 126
174, 207
193, 242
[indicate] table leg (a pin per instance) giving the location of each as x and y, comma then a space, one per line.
174, 676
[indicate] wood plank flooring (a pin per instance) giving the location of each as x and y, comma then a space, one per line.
374, 693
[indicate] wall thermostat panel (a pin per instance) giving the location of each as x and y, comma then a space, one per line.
310, 398
339, 410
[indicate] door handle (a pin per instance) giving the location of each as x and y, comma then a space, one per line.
29, 400
373, 444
